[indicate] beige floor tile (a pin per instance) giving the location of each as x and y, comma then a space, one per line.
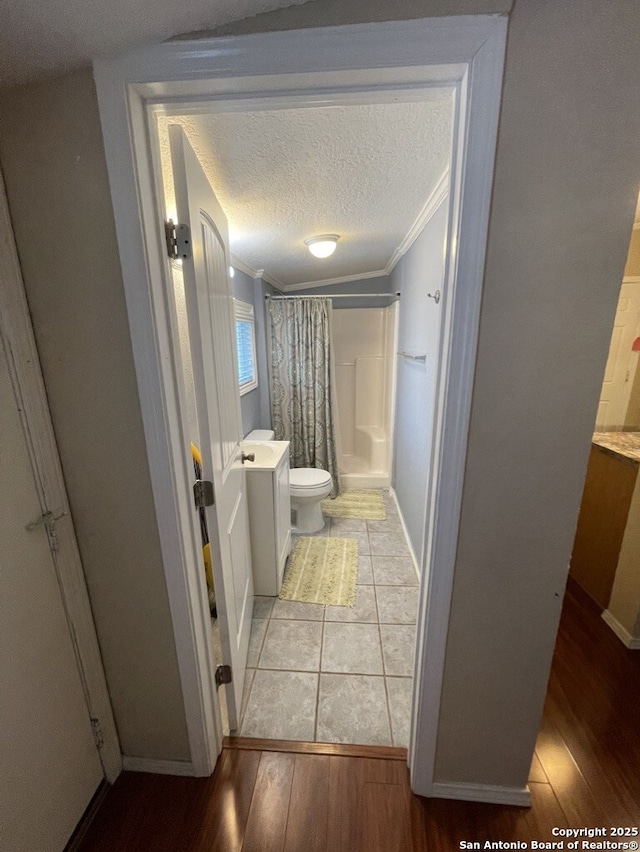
398, 646
246, 691
394, 571
397, 604
262, 606
281, 706
361, 538
258, 630
292, 645
388, 544
345, 525
365, 572
290, 642
351, 648
390, 524
364, 609
299, 610
399, 693
352, 709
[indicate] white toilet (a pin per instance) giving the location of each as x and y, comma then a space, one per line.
308, 486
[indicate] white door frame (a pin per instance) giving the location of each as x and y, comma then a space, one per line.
16, 336
464, 52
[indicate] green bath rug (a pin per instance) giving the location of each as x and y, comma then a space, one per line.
322, 570
365, 505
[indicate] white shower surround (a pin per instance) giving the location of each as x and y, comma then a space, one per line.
364, 343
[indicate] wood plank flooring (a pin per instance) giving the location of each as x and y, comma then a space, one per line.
585, 772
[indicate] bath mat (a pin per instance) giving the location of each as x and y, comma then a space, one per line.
366, 505
322, 570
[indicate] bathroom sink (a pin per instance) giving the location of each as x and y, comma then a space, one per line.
267, 454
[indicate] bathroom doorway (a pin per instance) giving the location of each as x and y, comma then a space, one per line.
320, 662
475, 83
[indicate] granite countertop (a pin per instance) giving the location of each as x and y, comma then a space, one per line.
625, 444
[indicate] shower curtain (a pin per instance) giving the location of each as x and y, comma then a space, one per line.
302, 407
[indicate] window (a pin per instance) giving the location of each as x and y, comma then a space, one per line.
246, 346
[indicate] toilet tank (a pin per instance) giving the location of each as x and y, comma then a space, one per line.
261, 435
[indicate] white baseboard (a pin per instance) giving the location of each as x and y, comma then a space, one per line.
520, 797
416, 564
157, 767
621, 632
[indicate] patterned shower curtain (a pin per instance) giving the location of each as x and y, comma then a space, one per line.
302, 407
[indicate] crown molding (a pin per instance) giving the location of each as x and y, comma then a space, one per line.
243, 267
271, 279
237, 263
438, 194
433, 202
344, 279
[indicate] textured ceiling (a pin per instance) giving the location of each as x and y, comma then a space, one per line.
363, 172
39, 37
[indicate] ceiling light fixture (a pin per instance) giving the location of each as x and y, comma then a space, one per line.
322, 246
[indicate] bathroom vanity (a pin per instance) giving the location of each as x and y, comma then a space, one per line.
269, 512
606, 554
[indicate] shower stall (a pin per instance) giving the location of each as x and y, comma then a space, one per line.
364, 349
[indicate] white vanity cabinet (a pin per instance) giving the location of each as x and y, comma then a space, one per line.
269, 513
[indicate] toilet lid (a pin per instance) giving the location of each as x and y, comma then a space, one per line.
308, 477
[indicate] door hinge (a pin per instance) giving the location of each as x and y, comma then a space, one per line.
223, 675
203, 493
178, 239
97, 732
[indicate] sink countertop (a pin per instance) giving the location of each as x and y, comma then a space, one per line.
267, 454
625, 444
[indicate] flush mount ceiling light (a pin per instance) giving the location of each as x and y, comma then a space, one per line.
322, 246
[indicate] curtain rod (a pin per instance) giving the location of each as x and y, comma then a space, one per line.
341, 296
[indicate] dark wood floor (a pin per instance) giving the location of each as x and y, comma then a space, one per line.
585, 772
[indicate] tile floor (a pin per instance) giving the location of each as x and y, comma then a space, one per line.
339, 674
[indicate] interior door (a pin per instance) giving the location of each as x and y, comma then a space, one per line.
621, 362
49, 762
211, 331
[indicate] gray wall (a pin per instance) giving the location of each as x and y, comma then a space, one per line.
244, 289
263, 289
381, 284
417, 273
327, 13
256, 405
53, 162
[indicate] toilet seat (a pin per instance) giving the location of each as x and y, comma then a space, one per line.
306, 480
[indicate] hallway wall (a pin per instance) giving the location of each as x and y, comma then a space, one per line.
53, 162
